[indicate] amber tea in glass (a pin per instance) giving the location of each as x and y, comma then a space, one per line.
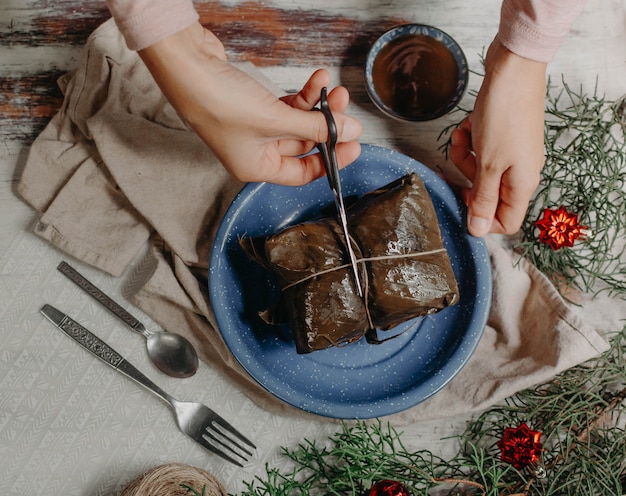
415, 76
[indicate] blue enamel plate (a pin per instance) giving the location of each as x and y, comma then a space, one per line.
359, 380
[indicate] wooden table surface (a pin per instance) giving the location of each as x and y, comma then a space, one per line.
41, 40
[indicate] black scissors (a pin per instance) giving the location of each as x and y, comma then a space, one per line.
329, 157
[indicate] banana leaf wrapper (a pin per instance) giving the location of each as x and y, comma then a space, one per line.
404, 268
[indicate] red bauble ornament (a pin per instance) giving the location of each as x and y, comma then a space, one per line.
559, 228
520, 446
389, 488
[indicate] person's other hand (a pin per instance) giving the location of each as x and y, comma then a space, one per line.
499, 147
255, 135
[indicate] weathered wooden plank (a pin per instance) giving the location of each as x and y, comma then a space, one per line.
269, 34
27, 103
292, 37
53, 23
283, 37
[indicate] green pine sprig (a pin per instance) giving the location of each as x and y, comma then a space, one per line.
193, 491
585, 171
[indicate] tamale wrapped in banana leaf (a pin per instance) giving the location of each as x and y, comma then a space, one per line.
405, 271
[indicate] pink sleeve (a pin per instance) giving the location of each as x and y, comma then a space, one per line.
535, 29
144, 22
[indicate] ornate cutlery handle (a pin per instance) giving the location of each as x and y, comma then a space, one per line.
72, 274
103, 351
82, 336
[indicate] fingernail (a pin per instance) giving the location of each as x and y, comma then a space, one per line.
478, 226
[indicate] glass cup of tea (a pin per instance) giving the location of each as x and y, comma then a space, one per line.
416, 72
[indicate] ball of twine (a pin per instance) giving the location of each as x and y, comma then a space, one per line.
166, 480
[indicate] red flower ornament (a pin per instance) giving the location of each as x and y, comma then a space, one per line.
521, 447
559, 228
388, 488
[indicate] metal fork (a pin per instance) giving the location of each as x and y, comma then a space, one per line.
196, 420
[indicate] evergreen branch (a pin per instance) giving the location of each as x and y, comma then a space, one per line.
194, 491
585, 171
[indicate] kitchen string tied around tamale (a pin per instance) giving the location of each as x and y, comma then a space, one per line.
366, 280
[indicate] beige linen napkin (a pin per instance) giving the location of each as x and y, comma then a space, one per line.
116, 169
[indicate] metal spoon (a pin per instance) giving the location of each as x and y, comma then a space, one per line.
171, 353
